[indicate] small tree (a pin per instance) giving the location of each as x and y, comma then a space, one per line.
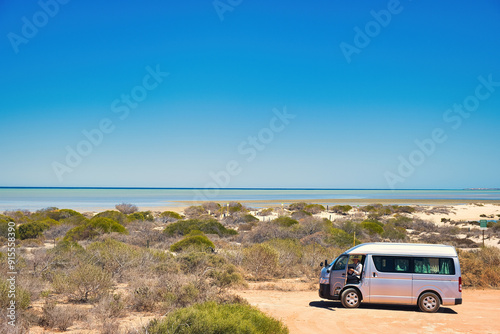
126, 208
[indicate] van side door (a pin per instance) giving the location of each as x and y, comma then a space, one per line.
338, 275
390, 279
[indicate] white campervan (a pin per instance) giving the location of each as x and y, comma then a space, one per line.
396, 273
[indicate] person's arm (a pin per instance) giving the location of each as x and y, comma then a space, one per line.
358, 269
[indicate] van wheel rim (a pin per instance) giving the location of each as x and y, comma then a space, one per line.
352, 298
429, 303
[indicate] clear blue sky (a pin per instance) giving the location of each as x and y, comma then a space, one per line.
355, 117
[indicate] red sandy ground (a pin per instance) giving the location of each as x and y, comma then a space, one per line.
305, 312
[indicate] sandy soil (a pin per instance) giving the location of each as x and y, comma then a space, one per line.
305, 312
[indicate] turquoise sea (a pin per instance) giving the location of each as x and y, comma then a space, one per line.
106, 198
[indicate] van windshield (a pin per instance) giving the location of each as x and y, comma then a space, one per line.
340, 263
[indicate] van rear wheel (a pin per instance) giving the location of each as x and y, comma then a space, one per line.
350, 298
429, 302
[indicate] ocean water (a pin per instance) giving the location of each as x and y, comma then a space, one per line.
105, 198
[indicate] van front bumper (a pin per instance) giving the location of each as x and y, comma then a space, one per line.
324, 291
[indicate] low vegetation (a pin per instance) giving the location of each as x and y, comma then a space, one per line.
104, 266
213, 318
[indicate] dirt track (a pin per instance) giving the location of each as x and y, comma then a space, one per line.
305, 312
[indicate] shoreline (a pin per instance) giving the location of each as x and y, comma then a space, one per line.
180, 205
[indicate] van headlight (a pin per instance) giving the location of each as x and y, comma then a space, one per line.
323, 280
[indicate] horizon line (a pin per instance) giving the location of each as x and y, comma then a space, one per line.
235, 188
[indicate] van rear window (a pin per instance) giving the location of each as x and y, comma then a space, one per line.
420, 265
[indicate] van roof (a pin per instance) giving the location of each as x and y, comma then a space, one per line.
387, 248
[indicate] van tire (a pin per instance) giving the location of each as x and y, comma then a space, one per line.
429, 302
350, 298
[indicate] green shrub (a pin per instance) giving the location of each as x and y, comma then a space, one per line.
209, 226
314, 208
50, 222
341, 208
114, 215
22, 296
248, 218
93, 228
297, 206
236, 207
194, 241
393, 232
351, 227
32, 230
212, 318
141, 215
401, 221
373, 227
6, 218
285, 221
4, 228
65, 214
170, 216
340, 238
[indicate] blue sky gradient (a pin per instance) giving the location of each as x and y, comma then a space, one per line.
353, 123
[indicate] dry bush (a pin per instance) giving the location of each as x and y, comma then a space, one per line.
298, 215
480, 268
265, 212
212, 207
126, 208
114, 256
266, 231
313, 254
59, 317
423, 226
106, 313
57, 231
84, 283
289, 256
262, 261
194, 211
439, 210
35, 242
146, 294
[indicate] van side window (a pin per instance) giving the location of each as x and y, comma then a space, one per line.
392, 264
341, 263
429, 265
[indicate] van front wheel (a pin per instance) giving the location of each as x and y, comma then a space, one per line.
429, 302
350, 298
